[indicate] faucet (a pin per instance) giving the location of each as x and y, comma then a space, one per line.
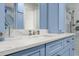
9, 31
38, 32
34, 32
30, 32
9, 20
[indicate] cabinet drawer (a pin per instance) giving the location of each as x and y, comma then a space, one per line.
53, 46
35, 51
68, 41
63, 52
53, 52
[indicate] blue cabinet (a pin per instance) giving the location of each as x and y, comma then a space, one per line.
2, 17
53, 18
61, 47
35, 51
43, 16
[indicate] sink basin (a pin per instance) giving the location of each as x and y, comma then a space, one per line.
36, 36
40, 36
47, 35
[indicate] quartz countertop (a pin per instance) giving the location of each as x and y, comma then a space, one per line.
11, 45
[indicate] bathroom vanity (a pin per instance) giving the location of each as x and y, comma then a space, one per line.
43, 45
35, 17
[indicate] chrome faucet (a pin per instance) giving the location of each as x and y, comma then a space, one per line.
33, 32
9, 31
30, 32
38, 32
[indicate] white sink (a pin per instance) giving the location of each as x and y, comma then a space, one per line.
41, 36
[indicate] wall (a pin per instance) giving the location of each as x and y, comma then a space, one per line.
20, 16
2, 17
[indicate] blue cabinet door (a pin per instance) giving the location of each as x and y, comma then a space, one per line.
35, 51
61, 17
43, 16
2, 17
53, 17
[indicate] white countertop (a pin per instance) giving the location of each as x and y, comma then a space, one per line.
19, 43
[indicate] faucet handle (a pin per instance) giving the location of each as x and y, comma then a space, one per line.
38, 32
34, 32
1, 34
30, 32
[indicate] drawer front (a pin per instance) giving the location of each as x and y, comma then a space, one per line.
35, 51
68, 41
53, 52
52, 47
63, 52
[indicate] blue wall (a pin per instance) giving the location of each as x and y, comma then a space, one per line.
20, 16
53, 17
2, 17
20, 7
19, 21
43, 16
61, 17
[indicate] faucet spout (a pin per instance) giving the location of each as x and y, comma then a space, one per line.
9, 31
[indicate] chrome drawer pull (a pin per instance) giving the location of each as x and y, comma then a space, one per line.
72, 38
68, 41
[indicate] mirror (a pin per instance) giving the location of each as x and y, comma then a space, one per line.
14, 17
31, 16
9, 15
21, 16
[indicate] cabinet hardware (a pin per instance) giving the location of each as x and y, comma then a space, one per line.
68, 41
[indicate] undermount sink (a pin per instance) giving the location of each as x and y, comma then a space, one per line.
47, 35
40, 36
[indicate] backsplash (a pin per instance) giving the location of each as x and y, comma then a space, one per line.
43, 31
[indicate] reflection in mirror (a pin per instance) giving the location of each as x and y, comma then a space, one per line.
19, 16
9, 17
31, 16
